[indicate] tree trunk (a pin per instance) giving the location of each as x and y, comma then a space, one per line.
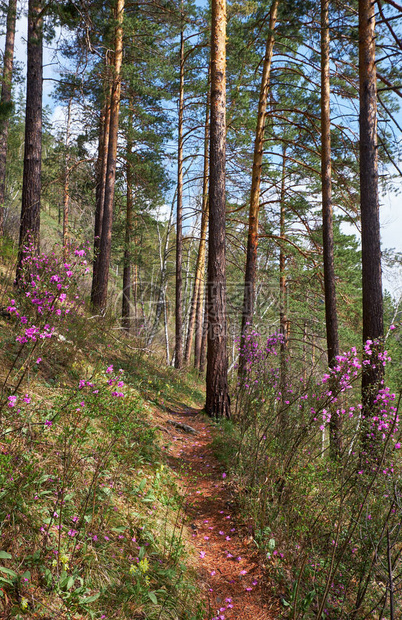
199, 321
126, 306
100, 294
134, 285
101, 170
217, 392
283, 323
187, 297
373, 328
204, 338
66, 189
304, 351
331, 316
178, 361
5, 101
31, 183
166, 329
252, 241
195, 320
163, 261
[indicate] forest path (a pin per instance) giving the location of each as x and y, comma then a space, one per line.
229, 564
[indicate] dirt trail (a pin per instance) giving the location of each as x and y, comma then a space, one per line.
234, 583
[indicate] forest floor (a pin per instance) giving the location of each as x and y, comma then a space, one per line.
230, 569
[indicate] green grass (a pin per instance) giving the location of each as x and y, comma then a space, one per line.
90, 513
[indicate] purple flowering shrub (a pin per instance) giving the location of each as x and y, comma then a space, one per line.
327, 515
43, 308
81, 489
50, 286
80, 478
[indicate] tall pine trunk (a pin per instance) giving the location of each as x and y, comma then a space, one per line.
126, 305
204, 336
195, 319
5, 101
217, 396
331, 317
199, 323
252, 240
178, 359
283, 320
31, 184
373, 328
100, 293
163, 261
101, 169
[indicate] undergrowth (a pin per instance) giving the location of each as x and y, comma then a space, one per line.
90, 515
329, 527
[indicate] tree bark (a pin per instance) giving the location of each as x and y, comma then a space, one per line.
217, 391
195, 319
204, 337
5, 101
101, 170
31, 184
252, 240
163, 260
187, 296
283, 322
100, 294
369, 202
134, 286
178, 360
331, 316
199, 320
126, 305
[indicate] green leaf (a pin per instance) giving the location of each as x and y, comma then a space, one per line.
43, 478
8, 571
153, 598
70, 582
5, 556
89, 599
63, 578
308, 600
4, 580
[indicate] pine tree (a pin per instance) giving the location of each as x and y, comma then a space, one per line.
217, 397
373, 328
5, 101
31, 188
99, 297
331, 317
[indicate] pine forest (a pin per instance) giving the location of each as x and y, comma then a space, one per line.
200, 309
